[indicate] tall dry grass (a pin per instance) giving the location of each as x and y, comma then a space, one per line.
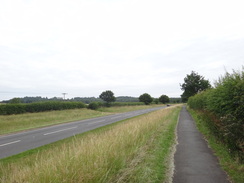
99, 156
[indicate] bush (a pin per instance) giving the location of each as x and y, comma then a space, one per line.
199, 100
12, 109
94, 105
38, 107
225, 105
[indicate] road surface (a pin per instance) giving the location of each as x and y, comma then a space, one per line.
194, 160
19, 142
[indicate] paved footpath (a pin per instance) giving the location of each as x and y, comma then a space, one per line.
194, 160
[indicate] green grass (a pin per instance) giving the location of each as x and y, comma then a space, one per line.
231, 165
134, 150
119, 109
19, 122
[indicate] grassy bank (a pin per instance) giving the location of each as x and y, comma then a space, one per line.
135, 150
14, 123
120, 109
233, 167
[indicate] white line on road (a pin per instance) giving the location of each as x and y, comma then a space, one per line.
96, 122
59, 130
10, 143
115, 117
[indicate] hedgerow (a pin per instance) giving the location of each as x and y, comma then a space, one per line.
225, 105
38, 107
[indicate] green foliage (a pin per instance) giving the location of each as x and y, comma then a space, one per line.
15, 101
156, 100
86, 100
225, 105
114, 104
94, 105
126, 99
164, 99
12, 109
146, 98
193, 84
107, 96
175, 100
235, 169
38, 107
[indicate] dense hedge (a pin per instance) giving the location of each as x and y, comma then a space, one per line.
225, 105
38, 107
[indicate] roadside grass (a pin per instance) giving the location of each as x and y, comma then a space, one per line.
19, 122
232, 166
133, 150
119, 109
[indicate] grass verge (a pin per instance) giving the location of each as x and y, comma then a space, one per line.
232, 166
134, 150
19, 122
120, 109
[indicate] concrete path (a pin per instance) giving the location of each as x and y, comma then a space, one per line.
194, 160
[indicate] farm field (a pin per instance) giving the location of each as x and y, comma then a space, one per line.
20, 122
134, 150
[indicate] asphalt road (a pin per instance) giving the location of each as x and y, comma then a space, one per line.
194, 160
19, 142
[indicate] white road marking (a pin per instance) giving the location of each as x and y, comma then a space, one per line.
59, 130
96, 122
115, 117
10, 143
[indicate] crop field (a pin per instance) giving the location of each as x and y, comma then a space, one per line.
133, 150
18, 122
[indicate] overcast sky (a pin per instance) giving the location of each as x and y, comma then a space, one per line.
84, 47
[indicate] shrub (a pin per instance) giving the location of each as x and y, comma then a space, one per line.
93, 105
225, 105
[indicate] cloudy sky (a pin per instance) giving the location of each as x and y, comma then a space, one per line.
84, 47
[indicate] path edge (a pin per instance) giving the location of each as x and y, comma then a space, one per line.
170, 160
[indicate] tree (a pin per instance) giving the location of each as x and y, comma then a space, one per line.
193, 84
156, 100
107, 96
15, 101
164, 99
146, 98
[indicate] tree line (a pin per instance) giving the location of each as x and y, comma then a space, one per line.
86, 100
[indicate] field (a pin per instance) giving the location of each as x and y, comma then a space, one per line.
18, 122
134, 150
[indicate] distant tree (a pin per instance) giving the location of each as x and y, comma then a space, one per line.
164, 99
174, 100
107, 96
146, 98
193, 84
156, 100
126, 99
15, 101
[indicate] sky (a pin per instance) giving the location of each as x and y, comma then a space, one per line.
131, 47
